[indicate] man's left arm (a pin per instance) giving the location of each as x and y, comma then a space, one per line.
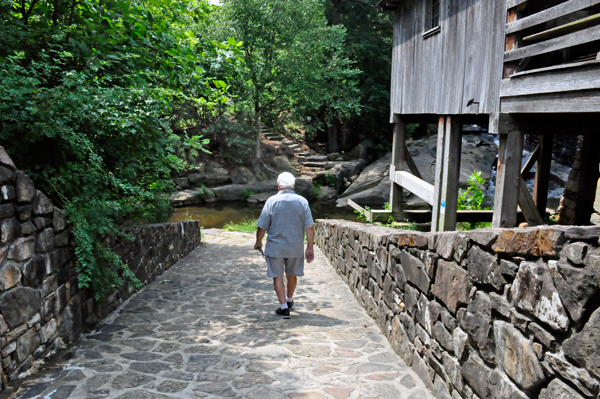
310, 238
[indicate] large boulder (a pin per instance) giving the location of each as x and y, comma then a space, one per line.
283, 164
372, 187
361, 151
242, 175
237, 192
340, 171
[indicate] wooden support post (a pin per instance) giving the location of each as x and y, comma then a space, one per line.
398, 161
542, 174
439, 170
588, 178
450, 175
508, 179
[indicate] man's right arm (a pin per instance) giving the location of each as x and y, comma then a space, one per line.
260, 233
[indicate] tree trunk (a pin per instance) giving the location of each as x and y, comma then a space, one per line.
332, 136
257, 116
336, 13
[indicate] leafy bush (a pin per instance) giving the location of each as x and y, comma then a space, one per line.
97, 102
247, 193
316, 188
233, 137
362, 215
471, 199
330, 180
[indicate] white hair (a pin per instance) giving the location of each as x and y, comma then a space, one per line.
286, 181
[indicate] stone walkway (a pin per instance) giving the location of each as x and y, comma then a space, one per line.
206, 329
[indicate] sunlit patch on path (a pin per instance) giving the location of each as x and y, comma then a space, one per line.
206, 329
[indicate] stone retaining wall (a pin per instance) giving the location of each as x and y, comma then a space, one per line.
489, 313
41, 306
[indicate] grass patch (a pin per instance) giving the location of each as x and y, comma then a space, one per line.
247, 226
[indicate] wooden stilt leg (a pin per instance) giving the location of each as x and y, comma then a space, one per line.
450, 174
542, 174
508, 179
398, 161
439, 170
588, 177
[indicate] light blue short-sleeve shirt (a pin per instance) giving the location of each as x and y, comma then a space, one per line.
285, 216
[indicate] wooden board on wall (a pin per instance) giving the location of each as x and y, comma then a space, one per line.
439, 74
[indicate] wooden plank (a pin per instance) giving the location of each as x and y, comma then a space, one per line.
412, 166
398, 161
588, 176
531, 161
527, 205
450, 175
550, 14
559, 43
556, 81
439, 170
360, 209
418, 187
542, 173
563, 29
508, 179
578, 101
555, 68
515, 3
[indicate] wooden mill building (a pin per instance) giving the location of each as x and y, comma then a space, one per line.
516, 66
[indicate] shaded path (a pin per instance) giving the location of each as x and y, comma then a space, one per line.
206, 329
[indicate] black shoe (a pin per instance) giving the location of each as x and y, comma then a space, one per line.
290, 305
284, 313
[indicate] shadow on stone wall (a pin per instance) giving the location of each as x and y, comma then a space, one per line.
41, 305
488, 313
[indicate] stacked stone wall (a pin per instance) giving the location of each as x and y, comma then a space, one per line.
490, 313
41, 306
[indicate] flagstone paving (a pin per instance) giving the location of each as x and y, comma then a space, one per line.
206, 329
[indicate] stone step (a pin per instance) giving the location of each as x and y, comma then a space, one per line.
298, 150
303, 155
313, 170
317, 158
310, 164
294, 146
288, 142
273, 137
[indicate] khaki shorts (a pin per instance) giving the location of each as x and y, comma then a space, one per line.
291, 266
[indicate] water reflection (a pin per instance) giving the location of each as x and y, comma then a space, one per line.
217, 215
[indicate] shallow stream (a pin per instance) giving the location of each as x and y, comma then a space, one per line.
217, 215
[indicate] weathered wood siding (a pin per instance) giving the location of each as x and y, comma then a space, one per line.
439, 74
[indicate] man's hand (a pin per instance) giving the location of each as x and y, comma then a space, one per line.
258, 245
309, 255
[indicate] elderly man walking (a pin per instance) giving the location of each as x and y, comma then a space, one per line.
285, 216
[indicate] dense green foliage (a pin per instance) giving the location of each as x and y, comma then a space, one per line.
92, 93
295, 64
472, 199
369, 36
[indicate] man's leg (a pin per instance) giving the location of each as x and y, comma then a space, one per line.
280, 289
292, 281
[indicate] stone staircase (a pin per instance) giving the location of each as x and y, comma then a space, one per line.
310, 164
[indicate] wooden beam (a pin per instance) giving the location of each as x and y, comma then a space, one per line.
588, 177
398, 161
550, 14
542, 173
532, 216
508, 179
567, 102
450, 175
418, 187
531, 161
553, 68
554, 81
563, 29
439, 171
559, 43
515, 3
371, 214
410, 162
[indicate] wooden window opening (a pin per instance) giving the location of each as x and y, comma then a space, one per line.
432, 18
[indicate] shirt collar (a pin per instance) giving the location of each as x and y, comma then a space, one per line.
285, 192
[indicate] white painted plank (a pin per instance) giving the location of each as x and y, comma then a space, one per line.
418, 187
